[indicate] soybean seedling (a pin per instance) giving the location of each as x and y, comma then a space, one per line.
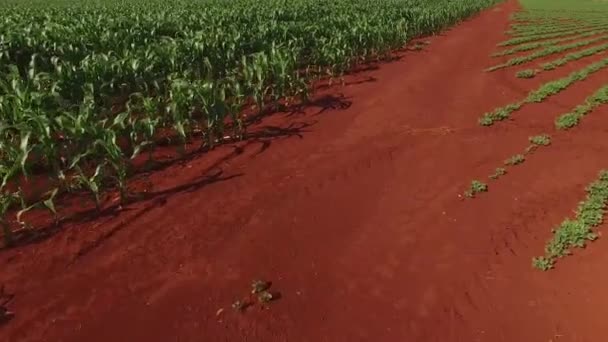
538, 141
476, 187
576, 232
541, 140
500, 171
528, 73
515, 160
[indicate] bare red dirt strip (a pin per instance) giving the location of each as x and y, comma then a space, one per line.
351, 208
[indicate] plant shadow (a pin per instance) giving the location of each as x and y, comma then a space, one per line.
260, 135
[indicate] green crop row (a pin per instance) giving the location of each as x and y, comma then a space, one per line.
533, 30
535, 45
574, 56
572, 118
577, 232
522, 40
543, 92
86, 87
546, 52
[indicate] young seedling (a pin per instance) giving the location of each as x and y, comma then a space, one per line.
486, 120
515, 160
528, 73
542, 263
541, 140
549, 66
543, 92
499, 114
566, 121
500, 171
569, 120
538, 141
476, 187
577, 232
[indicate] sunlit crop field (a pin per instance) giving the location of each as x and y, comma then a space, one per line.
85, 87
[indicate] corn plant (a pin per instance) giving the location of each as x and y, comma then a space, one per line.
85, 87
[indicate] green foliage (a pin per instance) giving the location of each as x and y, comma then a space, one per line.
548, 89
542, 263
535, 45
549, 35
486, 120
499, 114
538, 141
500, 171
546, 52
543, 92
577, 232
86, 87
541, 140
528, 73
566, 121
475, 188
515, 160
574, 56
549, 66
571, 119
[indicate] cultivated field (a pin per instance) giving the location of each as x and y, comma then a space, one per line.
303, 170
87, 87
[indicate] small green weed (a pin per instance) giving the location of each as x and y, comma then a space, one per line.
476, 187
500, 171
499, 114
549, 66
486, 120
541, 140
549, 50
545, 91
528, 73
549, 89
574, 56
515, 160
566, 121
542, 263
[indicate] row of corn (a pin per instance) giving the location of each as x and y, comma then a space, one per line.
86, 87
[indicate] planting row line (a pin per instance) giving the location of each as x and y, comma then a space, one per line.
546, 52
535, 45
543, 92
522, 40
571, 119
537, 141
562, 61
533, 30
577, 232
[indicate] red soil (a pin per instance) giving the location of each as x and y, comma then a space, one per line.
351, 208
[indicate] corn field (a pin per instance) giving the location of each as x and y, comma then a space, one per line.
86, 86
